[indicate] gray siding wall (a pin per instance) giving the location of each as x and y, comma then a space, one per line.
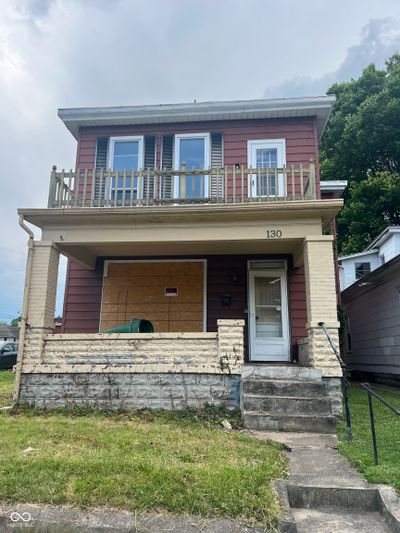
374, 314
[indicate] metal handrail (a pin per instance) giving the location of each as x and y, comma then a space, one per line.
344, 381
371, 393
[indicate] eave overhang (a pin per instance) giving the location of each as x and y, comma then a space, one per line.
319, 107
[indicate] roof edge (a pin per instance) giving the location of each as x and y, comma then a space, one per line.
73, 118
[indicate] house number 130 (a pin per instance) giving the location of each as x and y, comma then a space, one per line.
274, 233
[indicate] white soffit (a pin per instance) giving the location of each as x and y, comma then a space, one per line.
319, 106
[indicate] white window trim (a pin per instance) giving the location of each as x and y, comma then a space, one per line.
125, 138
207, 157
361, 263
280, 145
110, 155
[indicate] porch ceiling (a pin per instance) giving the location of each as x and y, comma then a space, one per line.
86, 254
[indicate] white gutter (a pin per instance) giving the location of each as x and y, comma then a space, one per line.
319, 106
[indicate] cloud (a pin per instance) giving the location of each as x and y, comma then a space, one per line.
380, 39
70, 53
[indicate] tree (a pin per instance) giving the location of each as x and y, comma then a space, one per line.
362, 141
374, 205
15, 321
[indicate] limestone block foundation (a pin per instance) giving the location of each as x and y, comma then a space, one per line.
129, 391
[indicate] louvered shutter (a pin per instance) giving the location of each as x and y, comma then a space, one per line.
149, 163
217, 161
100, 164
166, 164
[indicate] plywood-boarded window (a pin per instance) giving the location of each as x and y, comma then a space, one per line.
137, 290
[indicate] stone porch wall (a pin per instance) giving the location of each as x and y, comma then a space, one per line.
208, 353
316, 352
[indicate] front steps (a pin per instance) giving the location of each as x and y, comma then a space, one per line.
285, 398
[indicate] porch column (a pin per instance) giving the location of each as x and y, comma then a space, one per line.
39, 301
321, 305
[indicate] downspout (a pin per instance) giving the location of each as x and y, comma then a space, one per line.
24, 312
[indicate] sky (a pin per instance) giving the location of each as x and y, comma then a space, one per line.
71, 53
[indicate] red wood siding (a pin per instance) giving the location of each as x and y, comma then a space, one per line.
82, 301
297, 306
84, 287
300, 135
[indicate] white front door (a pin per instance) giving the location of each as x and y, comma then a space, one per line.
268, 316
266, 154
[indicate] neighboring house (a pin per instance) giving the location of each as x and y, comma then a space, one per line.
9, 333
371, 303
206, 219
354, 267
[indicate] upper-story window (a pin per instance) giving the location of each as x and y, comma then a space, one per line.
193, 149
266, 154
362, 269
125, 153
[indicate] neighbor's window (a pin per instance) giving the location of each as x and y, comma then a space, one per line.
193, 150
361, 269
125, 153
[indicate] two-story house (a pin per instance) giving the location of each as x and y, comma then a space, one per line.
207, 220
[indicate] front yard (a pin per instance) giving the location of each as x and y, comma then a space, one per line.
166, 462
359, 451
6, 387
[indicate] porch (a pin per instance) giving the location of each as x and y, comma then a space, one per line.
201, 346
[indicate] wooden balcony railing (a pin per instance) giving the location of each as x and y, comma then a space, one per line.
129, 188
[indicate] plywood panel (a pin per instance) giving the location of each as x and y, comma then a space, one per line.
137, 290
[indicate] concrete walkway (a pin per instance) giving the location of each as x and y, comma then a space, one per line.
326, 494
30, 518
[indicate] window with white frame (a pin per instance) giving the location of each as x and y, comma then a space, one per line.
125, 154
362, 269
193, 150
267, 154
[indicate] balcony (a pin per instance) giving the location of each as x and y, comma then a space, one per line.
228, 185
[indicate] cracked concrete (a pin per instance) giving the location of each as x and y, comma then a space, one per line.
325, 494
46, 519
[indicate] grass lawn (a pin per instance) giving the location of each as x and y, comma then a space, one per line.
387, 424
6, 387
165, 462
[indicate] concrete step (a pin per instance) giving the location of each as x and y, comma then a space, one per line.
280, 387
339, 521
286, 405
284, 422
285, 372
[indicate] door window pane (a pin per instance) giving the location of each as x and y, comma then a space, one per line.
192, 153
266, 183
125, 157
268, 308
